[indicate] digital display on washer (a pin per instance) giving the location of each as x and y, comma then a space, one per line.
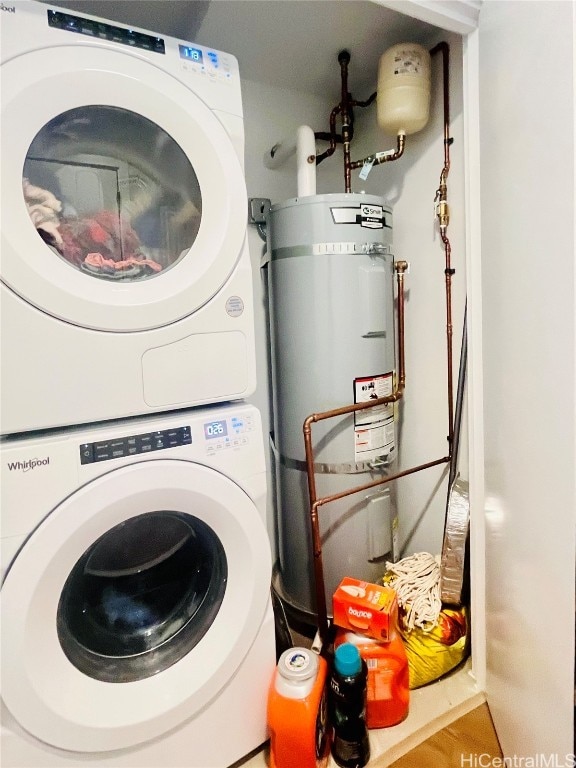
215, 429
191, 54
104, 450
103, 31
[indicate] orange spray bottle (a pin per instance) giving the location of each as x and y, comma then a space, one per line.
297, 711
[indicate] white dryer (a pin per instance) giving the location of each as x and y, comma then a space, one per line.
136, 620
126, 283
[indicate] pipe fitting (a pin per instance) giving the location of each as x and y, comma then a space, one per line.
401, 267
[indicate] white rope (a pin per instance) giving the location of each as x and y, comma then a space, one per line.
416, 580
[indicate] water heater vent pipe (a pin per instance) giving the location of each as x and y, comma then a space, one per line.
305, 149
306, 161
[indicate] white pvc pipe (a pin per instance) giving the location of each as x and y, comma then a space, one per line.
306, 161
305, 148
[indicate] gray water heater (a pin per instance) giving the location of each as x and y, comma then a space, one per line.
331, 295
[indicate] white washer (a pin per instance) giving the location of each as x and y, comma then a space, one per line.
126, 279
136, 620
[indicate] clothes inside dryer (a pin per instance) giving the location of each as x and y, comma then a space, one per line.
142, 596
111, 193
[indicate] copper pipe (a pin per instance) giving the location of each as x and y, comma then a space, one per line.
321, 607
346, 107
370, 100
380, 481
449, 342
334, 138
443, 214
400, 268
444, 48
383, 157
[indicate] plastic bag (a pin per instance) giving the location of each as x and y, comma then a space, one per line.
433, 653
435, 637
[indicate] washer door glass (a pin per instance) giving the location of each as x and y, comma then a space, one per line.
159, 571
142, 596
111, 193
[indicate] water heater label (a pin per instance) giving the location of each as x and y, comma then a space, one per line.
366, 215
374, 433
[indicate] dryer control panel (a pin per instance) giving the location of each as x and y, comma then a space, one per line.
105, 31
215, 65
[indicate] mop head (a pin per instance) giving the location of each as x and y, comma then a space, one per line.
416, 580
435, 637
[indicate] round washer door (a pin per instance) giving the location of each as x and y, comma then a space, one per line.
49, 596
141, 158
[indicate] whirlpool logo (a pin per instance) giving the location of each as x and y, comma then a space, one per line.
7, 8
29, 464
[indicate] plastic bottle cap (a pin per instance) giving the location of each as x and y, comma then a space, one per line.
298, 664
347, 660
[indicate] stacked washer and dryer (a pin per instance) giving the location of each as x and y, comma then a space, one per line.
137, 628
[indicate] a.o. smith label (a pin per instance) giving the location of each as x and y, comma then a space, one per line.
365, 214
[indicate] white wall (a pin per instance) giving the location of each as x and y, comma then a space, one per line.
529, 300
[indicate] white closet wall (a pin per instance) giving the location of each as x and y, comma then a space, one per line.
529, 300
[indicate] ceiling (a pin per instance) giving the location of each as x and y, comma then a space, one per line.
285, 43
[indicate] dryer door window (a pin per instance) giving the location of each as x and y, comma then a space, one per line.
129, 142
142, 596
111, 193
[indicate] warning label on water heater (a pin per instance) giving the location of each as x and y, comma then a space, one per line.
374, 432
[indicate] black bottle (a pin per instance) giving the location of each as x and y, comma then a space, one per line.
347, 697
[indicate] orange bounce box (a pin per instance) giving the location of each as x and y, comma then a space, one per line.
370, 609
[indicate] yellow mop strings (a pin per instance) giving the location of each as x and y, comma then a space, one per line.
416, 580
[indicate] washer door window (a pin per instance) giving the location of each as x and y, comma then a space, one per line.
142, 596
132, 605
122, 174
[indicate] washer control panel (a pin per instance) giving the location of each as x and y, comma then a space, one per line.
218, 434
132, 445
225, 434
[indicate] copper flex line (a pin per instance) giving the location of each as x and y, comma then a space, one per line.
443, 213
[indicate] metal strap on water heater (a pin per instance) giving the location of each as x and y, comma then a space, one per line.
319, 249
380, 464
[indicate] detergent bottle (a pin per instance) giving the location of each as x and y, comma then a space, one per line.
347, 708
388, 684
298, 712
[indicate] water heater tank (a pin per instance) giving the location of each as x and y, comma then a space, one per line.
403, 94
331, 292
